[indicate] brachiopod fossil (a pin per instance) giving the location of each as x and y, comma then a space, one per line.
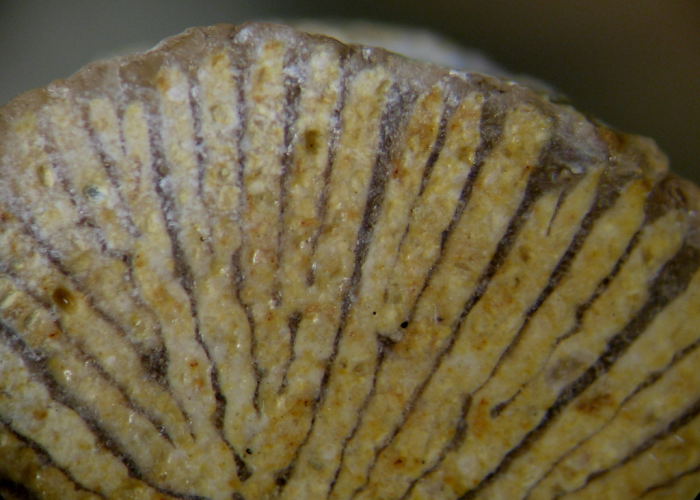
254, 263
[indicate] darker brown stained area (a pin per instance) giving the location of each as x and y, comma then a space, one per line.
595, 404
64, 299
311, 138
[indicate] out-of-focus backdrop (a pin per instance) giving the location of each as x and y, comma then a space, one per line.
634, 64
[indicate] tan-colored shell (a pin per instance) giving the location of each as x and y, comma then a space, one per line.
253, 263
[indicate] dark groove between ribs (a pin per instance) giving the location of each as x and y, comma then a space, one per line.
238, 280
245, 68
601, 288
605, 198
155, 362
292, 85
195, 109
667, 195
293, 325
394, 119
184, 274
17, 490
451, 101
156, 422
53, 257
384, 345
670, 482
655, 376
46, 459
543, 178
336, 131
687, 417
109, 165
501, 252
542, 182
160, 171
560, 201
454, 443
671, 281
650, 380
29, 226
673, 426
490, 129
62, 171
400, 102
36, 365
51, 151
238, 277
242, 468
652, 212
221, 402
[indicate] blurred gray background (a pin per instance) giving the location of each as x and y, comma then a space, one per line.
635, 64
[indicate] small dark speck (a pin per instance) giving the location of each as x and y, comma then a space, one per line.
404, 324
374, 313
93, 192
280, 481
249, 451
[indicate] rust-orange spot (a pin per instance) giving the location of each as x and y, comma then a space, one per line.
480, 342
162, 83
595, 404
40, 414
307, 222
614, 140
218, 59
525, 254
480, 423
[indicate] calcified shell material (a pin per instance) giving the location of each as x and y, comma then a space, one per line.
253, 263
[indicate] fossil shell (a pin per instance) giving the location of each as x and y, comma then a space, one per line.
253, 263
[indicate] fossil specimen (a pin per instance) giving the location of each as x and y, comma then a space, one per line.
254, 263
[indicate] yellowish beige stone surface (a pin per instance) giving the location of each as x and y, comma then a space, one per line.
254, 263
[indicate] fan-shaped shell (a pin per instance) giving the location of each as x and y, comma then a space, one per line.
254, 263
